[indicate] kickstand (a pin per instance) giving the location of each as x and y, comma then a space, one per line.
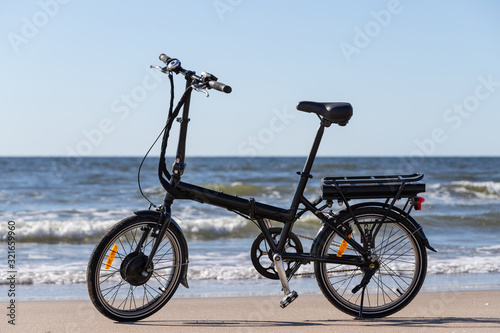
369, 271
360, 317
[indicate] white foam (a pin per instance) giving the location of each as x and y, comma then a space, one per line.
38, 257
51, 277
217, 226
206, 267
45, 230
464, 192
489, 249
464, 265
483, 190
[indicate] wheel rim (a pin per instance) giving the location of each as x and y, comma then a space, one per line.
397, 255
121, 288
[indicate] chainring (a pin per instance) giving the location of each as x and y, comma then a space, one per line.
262, 257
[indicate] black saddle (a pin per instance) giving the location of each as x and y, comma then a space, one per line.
337, 113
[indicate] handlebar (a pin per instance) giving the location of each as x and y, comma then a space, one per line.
220, 86
206, 80
165, 58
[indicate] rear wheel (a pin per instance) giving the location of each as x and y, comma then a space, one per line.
400, 256
115, 282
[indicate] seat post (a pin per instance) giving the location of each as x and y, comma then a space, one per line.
305, 174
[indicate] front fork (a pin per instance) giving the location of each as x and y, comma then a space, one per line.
163, 222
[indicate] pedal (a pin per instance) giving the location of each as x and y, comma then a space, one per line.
292, 296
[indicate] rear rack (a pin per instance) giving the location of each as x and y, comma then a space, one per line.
372, 187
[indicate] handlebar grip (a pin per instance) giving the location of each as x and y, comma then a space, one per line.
220, 86
165, 58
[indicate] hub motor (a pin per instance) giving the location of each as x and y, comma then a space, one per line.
132, 267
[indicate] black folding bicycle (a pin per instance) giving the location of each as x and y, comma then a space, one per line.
370, 258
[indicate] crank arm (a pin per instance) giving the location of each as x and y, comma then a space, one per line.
290, 296
278, 265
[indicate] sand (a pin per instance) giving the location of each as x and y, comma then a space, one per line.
469, 311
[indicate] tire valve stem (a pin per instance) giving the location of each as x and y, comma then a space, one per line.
342, 247
111, 256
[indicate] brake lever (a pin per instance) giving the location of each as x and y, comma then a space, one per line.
161, 69
199, 88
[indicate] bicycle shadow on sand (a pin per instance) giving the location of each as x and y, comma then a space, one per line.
443, 322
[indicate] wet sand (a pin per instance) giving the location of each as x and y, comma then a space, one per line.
469, 311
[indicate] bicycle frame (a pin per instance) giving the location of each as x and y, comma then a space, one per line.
257, 210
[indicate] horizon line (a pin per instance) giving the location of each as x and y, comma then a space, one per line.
248, 156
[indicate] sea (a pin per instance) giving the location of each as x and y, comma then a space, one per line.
59, 208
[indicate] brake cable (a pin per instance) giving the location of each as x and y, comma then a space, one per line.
164, 143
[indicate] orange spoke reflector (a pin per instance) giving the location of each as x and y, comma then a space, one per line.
111, 256
342, 247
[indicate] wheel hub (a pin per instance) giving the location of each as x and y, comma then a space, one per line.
132, 267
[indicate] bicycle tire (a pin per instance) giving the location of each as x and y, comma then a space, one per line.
119, 291
401, 255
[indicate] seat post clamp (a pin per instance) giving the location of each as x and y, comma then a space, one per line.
302, 174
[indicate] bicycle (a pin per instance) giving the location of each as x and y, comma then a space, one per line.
139, 263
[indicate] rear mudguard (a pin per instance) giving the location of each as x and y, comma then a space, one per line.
421, 234
183, 244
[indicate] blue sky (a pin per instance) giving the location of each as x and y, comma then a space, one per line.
423, 76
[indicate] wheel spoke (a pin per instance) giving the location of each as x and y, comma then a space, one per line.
108, 276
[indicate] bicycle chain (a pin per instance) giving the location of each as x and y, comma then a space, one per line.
304, 237
312, 239
332, 271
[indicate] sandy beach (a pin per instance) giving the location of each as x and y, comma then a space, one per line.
466, 311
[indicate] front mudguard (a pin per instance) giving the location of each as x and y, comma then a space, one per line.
183, 244
418, 227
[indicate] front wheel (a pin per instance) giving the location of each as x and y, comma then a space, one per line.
401, 258
115, 282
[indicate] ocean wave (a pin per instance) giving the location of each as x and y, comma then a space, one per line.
459, 265
79, 276
235, 188
56, 277
49, 231
210, 228
458, 221
90, 231
238, 188
489, 249
464, 265
466, 191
